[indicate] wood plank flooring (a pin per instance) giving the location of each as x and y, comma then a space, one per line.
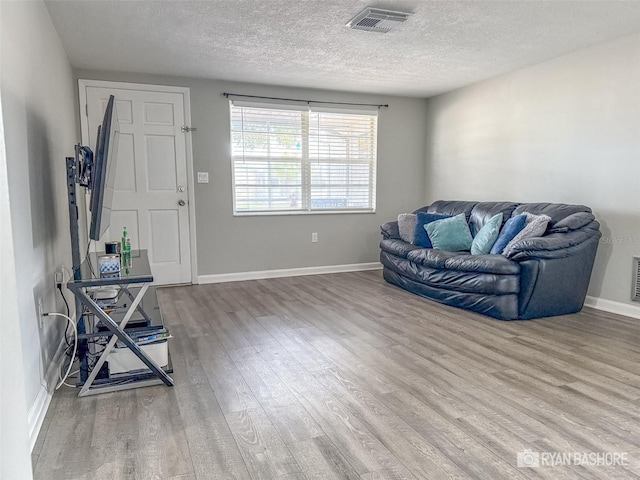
346, 377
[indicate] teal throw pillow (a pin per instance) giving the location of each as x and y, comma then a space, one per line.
450, 234
487, 236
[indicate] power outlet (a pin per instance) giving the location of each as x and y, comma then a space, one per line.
40, 313
58, 278
314, 237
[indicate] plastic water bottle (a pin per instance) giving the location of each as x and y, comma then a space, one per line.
126, 248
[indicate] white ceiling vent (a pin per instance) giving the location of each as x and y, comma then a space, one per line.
377, 20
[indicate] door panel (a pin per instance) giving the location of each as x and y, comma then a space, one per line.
161, 163
151, 177
164, 227
126, 168
158, 113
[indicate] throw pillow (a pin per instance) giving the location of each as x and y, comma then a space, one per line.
487, 236
406, 226
420, 236
535, 227
511, 228
450, 234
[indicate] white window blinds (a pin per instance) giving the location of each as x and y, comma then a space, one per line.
292, 160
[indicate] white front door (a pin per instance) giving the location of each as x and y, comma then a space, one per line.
151, 196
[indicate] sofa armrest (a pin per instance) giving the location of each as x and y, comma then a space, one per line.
556, 245
390, 231
575, 221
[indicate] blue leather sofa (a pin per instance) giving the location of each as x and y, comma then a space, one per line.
541, 277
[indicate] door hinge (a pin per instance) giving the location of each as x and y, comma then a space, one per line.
86, 109
185, 129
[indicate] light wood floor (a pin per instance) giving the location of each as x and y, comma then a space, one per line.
346, 377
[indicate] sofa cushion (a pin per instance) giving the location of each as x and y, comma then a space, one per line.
535, 227
484, 211
495, 264
406, 226
420, 236
452, 208
450, 234
430, 257
456, 280
487, 236
510, 230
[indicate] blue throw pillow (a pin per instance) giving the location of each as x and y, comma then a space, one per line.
509, 231
487, 236
451, 234
420, 236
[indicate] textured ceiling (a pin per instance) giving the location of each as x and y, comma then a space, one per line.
304, 43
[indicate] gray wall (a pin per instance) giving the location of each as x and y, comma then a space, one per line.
39, 132
228, 244
567, 130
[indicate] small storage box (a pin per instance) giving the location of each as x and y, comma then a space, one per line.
122, 360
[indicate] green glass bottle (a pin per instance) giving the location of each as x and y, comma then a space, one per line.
126, 248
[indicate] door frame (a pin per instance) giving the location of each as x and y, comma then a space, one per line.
186, 95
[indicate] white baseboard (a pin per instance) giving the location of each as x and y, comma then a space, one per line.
36, 414
39, 407
287, 272
613, 307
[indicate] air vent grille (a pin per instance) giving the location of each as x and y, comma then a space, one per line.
377, 20
366, 23
635, 294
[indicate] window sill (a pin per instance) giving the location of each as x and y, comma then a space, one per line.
298, 212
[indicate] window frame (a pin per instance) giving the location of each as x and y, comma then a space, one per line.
306, 161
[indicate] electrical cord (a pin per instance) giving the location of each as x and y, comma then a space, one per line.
66, 330
64, 364
75, 346
88, 260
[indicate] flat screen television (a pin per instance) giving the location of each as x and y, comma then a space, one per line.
104, 171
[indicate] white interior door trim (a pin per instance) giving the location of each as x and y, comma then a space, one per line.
186, 93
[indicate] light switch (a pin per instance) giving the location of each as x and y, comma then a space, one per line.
203, 177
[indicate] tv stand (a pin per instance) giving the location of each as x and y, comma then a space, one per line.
135, 303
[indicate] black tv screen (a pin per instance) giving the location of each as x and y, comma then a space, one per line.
104, 171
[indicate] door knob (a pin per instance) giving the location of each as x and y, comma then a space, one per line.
181, 202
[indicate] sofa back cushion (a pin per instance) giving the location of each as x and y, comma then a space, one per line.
482, 212
451, 208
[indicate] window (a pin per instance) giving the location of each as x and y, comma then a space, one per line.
289, 159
